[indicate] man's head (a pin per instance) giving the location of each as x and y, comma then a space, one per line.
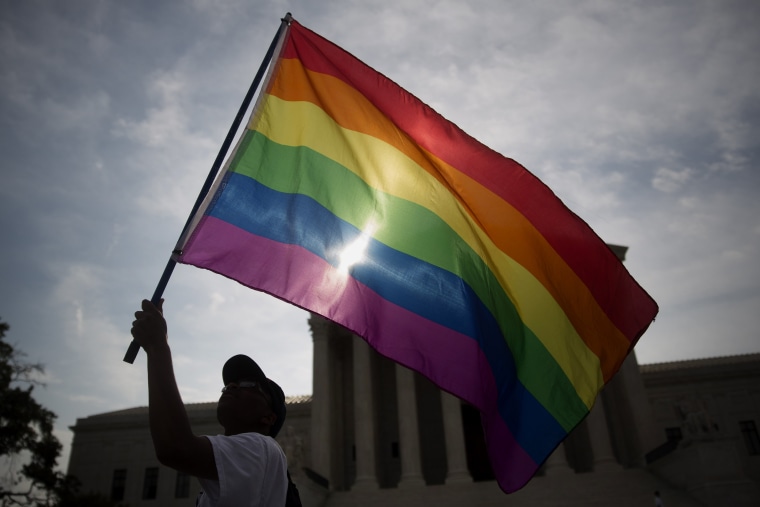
251, 401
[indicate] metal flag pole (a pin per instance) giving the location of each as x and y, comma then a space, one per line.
134, 347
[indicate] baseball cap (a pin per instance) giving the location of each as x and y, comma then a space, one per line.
243, 367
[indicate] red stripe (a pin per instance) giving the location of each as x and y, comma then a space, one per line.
621, 297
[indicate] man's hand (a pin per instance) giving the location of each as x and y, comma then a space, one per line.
149, 326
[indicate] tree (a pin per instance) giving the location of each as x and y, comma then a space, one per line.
26, 436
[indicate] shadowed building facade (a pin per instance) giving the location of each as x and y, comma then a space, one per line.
374, 433
348, 444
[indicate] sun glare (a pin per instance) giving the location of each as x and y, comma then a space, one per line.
354, 252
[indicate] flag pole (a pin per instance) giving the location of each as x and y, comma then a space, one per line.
134, 347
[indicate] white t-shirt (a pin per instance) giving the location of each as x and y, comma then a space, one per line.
252, 472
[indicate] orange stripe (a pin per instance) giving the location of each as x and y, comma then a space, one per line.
353, 111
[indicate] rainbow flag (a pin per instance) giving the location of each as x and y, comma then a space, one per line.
349, 197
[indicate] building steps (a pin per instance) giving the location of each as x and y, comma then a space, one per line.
619, 488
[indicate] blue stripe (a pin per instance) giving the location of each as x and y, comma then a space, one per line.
427, 290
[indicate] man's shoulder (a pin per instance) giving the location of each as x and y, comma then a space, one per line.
250, 440
250, 436
258, 438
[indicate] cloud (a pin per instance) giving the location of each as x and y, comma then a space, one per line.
164, 122
90, 335
669, 180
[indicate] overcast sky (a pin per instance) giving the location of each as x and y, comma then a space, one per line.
641, 115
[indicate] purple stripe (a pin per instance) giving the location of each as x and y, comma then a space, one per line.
295, 275
512, 466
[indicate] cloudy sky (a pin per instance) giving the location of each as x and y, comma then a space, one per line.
643, 116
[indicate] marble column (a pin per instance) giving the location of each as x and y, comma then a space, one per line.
409, 439
557, 464
364, 417
599, 435
456, 455
641, 432
321, 441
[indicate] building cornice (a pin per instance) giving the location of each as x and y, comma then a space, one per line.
705, 369
137, 417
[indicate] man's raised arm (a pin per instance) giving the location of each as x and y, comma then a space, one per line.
175, 444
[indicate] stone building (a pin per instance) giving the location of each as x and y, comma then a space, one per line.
374, 433
112, 453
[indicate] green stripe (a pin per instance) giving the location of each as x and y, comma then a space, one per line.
368, 157
402, 225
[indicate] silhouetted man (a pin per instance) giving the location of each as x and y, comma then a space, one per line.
243, 467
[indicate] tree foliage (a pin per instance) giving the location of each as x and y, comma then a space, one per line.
26, 436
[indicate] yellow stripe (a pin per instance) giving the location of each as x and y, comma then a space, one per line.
305, 124
353, 111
